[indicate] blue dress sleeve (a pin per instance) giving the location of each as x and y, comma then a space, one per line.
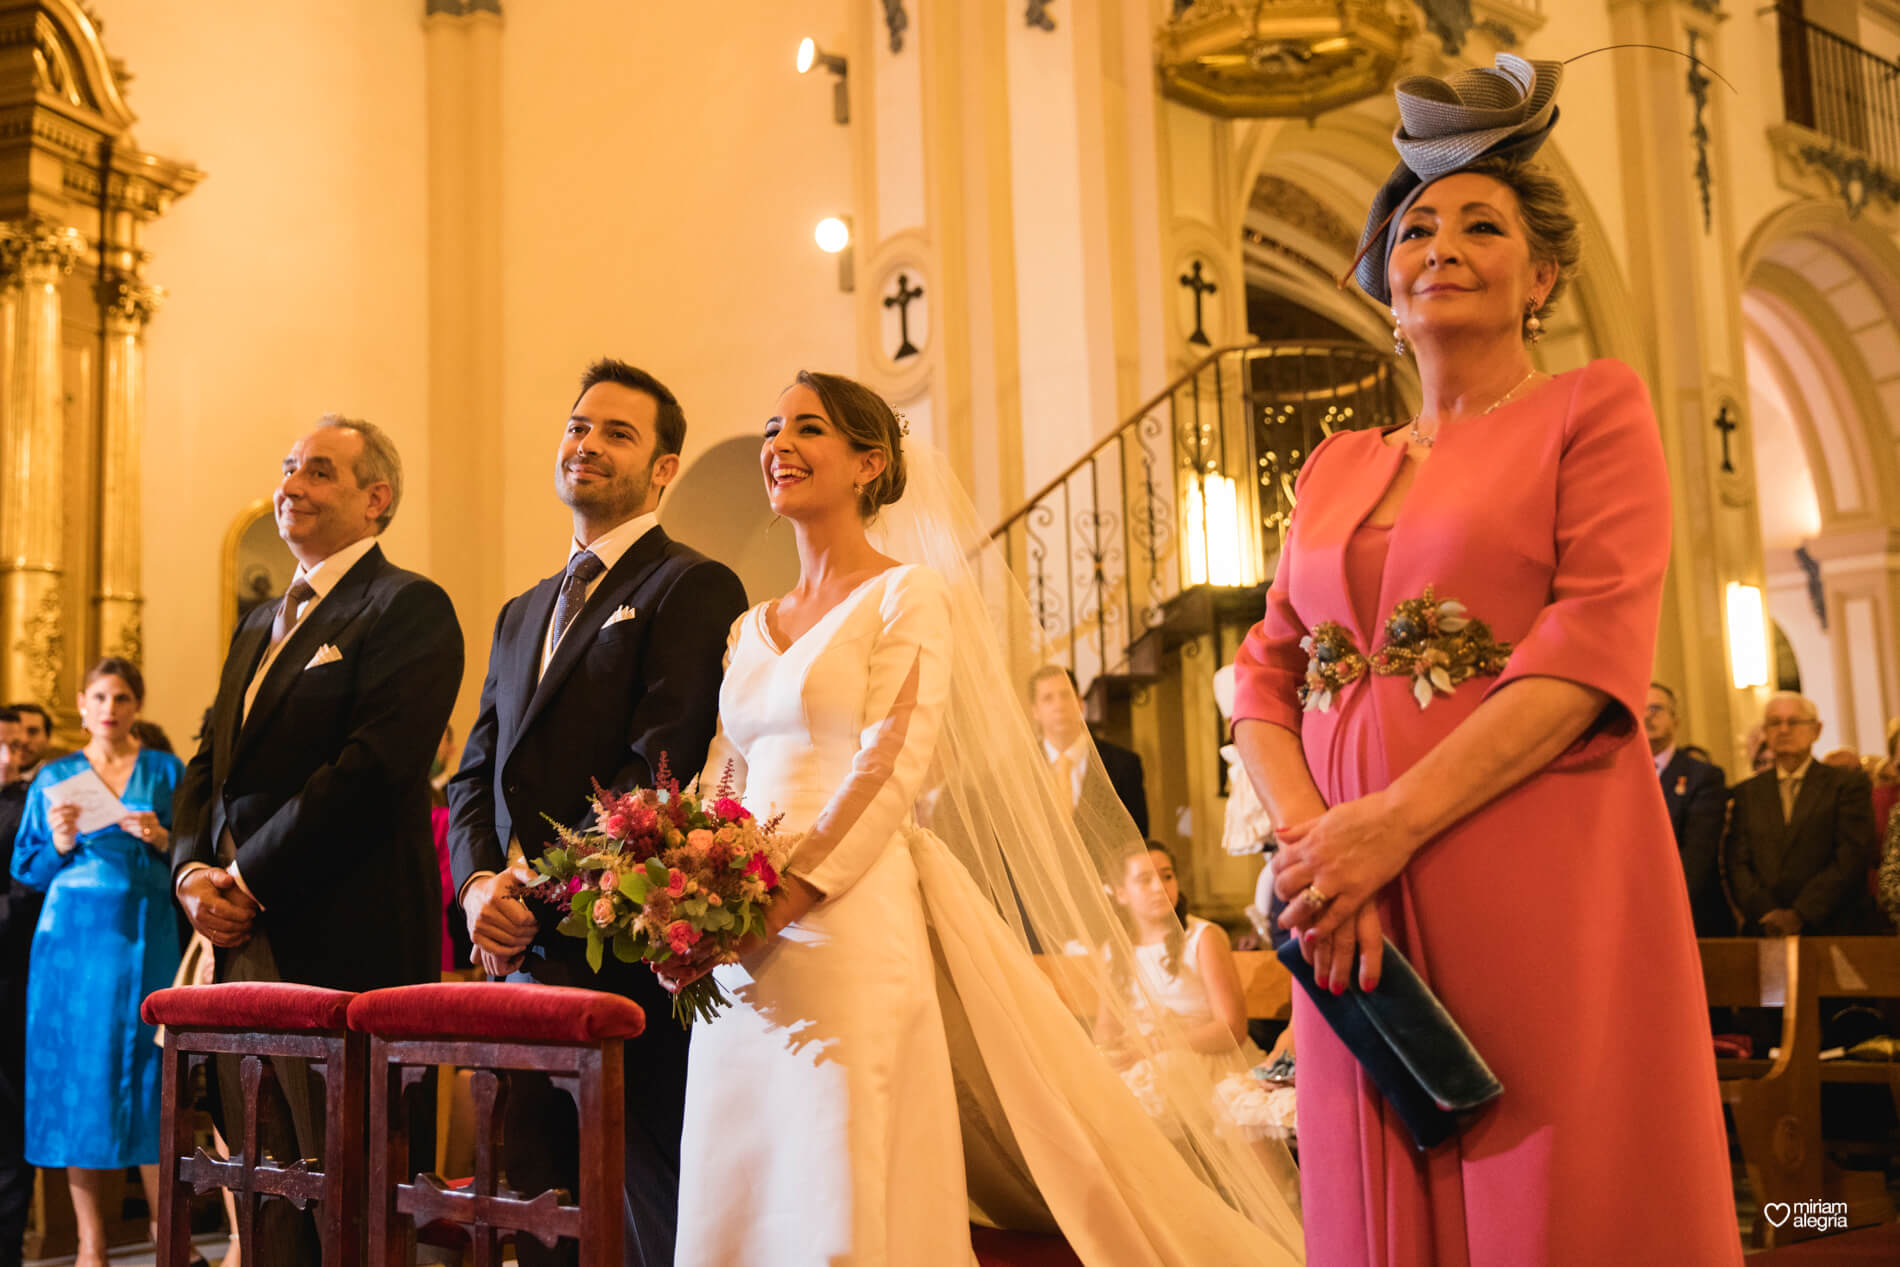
35, 861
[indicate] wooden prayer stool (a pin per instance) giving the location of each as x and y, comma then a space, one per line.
573, 1036
253, 1021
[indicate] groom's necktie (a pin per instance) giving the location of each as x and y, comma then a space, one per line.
582, 570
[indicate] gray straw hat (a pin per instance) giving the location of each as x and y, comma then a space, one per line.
1446, 125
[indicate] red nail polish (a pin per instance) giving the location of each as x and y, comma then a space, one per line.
1339, 989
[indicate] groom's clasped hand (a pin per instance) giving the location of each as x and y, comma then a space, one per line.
500, 925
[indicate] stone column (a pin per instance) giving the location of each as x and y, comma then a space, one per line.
1860, 573
126, 304
34, 255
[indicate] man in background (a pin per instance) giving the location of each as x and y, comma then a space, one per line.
1697, 798
1055, 704
1801, 836
36, 736
19, 912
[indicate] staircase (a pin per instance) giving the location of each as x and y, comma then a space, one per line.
1171, 524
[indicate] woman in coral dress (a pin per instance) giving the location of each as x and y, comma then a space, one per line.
1442, 709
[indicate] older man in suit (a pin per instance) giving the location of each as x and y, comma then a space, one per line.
1055, 703
303, 850
1697, 797
602, 671
1801, 835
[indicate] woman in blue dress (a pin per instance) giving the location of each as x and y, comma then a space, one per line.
106, 938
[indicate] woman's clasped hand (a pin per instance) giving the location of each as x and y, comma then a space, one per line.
1329, 874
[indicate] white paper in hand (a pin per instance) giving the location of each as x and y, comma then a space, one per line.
98, 807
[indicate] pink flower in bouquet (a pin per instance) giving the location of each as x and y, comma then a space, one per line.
603, 910
761, 869
699, 840
712, 899
728, 808
617, 825
574, 884
676, 883
680, 936
608, 880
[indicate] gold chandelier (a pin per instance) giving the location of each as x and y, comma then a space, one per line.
1280, 58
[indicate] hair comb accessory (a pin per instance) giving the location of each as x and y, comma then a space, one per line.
903, 422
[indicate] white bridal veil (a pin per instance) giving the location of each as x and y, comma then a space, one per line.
1177, 1172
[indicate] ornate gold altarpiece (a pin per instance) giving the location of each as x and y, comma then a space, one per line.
75, 194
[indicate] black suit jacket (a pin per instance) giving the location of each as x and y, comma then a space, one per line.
324, 785
1697, 797
19, 905
1123, 771
1815, 864
615, 699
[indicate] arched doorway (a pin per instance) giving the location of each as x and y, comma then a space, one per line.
1821, 307
702, 510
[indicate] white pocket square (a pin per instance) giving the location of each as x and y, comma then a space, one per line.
326, 654
624, 613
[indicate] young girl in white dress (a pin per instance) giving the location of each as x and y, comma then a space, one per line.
893, 1056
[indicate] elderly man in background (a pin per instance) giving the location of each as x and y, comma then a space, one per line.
1801, 836
1697, 797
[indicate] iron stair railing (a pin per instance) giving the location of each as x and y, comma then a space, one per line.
1193, 490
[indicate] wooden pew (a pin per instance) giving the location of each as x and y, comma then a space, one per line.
1776, 1103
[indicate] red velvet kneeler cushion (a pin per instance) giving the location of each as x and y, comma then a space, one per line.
996, 1248
497, 1011
248, 1005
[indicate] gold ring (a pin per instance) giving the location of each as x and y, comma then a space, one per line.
1314, 897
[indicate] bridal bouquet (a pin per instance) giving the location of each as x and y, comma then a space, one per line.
660, 871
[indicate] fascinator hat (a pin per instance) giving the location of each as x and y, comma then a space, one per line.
1445, 126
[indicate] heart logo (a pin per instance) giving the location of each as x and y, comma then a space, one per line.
1776, 1212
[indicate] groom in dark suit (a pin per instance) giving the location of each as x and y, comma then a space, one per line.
597, 672
302, 848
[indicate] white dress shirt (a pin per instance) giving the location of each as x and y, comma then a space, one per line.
1788, 783
608, 547
321, 579
1663, 759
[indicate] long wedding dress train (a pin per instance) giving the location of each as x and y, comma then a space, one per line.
901, 1035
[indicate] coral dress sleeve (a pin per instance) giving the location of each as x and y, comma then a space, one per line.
1270, 666
907, 691
1598, 628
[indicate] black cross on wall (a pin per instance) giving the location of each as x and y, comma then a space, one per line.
900, 300
1726, 425
1201, 288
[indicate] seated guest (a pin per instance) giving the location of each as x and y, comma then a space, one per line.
104, 941
19, 908
1801, 835
1697, 798
1055, 705
36, 737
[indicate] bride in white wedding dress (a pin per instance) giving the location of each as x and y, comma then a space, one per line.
895, 1064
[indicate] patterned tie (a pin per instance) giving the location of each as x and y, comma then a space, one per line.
288, 613
1790, 792
582, 570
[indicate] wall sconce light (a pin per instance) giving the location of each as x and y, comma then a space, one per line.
833, 236
1219, 550
1747, 636
810, 55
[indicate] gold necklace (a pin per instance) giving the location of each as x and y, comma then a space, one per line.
1428, 441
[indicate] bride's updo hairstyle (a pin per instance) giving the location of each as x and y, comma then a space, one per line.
866, 422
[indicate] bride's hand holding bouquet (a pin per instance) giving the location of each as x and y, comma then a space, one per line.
667, 877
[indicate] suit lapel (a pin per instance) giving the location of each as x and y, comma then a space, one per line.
331, 615
627, 576
525, 674
246, 650
1814, 786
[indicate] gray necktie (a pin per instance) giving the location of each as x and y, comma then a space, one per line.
300, 592
582, 570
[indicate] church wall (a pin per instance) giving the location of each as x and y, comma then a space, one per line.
296, 280
662, 177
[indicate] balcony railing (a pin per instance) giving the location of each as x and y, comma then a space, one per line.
1192, 491
1839, 89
